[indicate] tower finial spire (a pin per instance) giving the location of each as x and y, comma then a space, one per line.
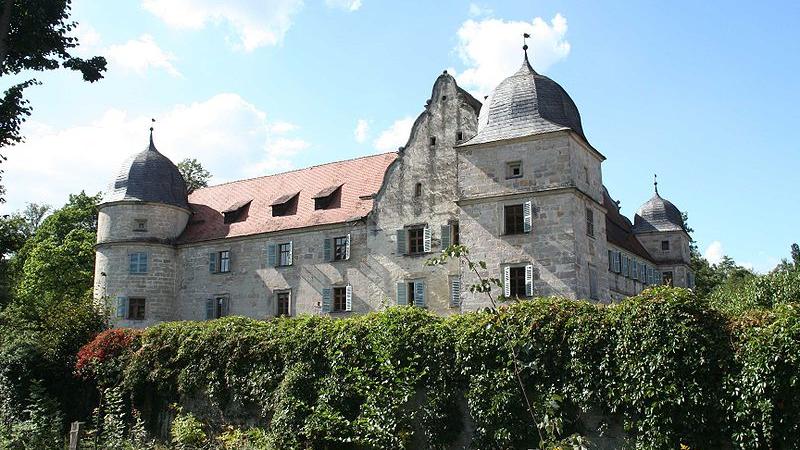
152, 146
525, 44
655, 182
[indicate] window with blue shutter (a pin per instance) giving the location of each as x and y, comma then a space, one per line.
455, 292
212, 262
327, 250
419, 294
327, 294
210, 309
122, 307
445, 236
285, 254
402, 247
272, 255
401, 293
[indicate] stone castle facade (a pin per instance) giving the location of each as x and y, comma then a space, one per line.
515, 181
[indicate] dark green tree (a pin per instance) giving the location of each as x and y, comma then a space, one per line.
194, 174
35, 36
12, 238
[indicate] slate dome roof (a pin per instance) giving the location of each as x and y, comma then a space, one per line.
148, 176
658, 214
527, 104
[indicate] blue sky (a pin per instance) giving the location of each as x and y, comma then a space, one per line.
704, 95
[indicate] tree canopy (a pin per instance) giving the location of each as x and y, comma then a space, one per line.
194, 174
35, 36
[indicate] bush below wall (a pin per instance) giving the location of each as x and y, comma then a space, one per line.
659, 370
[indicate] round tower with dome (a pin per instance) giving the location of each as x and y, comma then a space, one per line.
142, 213
659, 226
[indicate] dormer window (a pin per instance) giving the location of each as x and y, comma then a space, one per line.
329, 198
285, 205
237, 212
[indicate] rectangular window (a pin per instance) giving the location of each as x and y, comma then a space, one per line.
136, 308
593, 283
433, 141
514, 219
455, 231
217, 307
340, 299
667, 278
513, 169
224, 261
665, 246
138, 263
282, 303
459, 136
589, 222
340, 248
517, 282
285, 254
140, 225
416, 241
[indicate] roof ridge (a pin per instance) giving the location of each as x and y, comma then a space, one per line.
296, 170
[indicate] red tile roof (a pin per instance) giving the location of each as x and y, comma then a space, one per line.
360, 178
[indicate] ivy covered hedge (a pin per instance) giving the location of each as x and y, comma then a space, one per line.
662, 369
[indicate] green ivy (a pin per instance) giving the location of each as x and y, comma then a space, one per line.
665, 367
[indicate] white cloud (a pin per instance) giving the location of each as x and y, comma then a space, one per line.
362, 131
348, 5
476, 10
394, 136
88, 37
231, 137
490, 49
714, 252
139, 55
281, 127
255, 23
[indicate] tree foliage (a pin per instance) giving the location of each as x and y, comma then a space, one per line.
36, 36
194, 174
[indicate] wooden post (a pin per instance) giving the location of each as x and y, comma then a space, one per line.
75, 435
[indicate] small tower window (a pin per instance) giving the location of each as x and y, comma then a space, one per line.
433, 141
664, 246
459, 136
140, 225
589, 222
513, 170
418, 190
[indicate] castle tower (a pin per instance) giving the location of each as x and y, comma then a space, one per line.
141, 214
659, 227
531, 194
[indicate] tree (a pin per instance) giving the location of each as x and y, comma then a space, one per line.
33, 214
12, 238
194, 174
793, 265
35, 36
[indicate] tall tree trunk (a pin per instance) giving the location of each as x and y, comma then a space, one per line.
5, 22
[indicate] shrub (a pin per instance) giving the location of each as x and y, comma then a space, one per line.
187, 431
110, 345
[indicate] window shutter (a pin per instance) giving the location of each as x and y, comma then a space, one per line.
326, 300
122, 307
291, 250
402, 247
327, 250
507, 282
455, 292
143, 262
212, 262
347, 249
230, 260
133, 263
210, 309
348, 298
419, 294
272, 255
529, 280
426, 239
527, 217
401, 293
617, 262
226, 306
635, 270
625, 266
610, 261
445, 236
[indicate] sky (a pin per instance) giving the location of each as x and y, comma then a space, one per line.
705, 96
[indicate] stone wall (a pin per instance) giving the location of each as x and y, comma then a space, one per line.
118, 221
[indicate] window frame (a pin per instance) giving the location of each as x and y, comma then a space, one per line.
139, 256
665, 247
339, 250
136, 312
338, 294
510, 166
284, 257
224, 261
287, 293
518, 226
139, 225
418, 239
417, 190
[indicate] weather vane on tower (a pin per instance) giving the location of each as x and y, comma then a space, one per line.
655, 182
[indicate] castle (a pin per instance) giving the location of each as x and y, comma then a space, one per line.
515, 181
